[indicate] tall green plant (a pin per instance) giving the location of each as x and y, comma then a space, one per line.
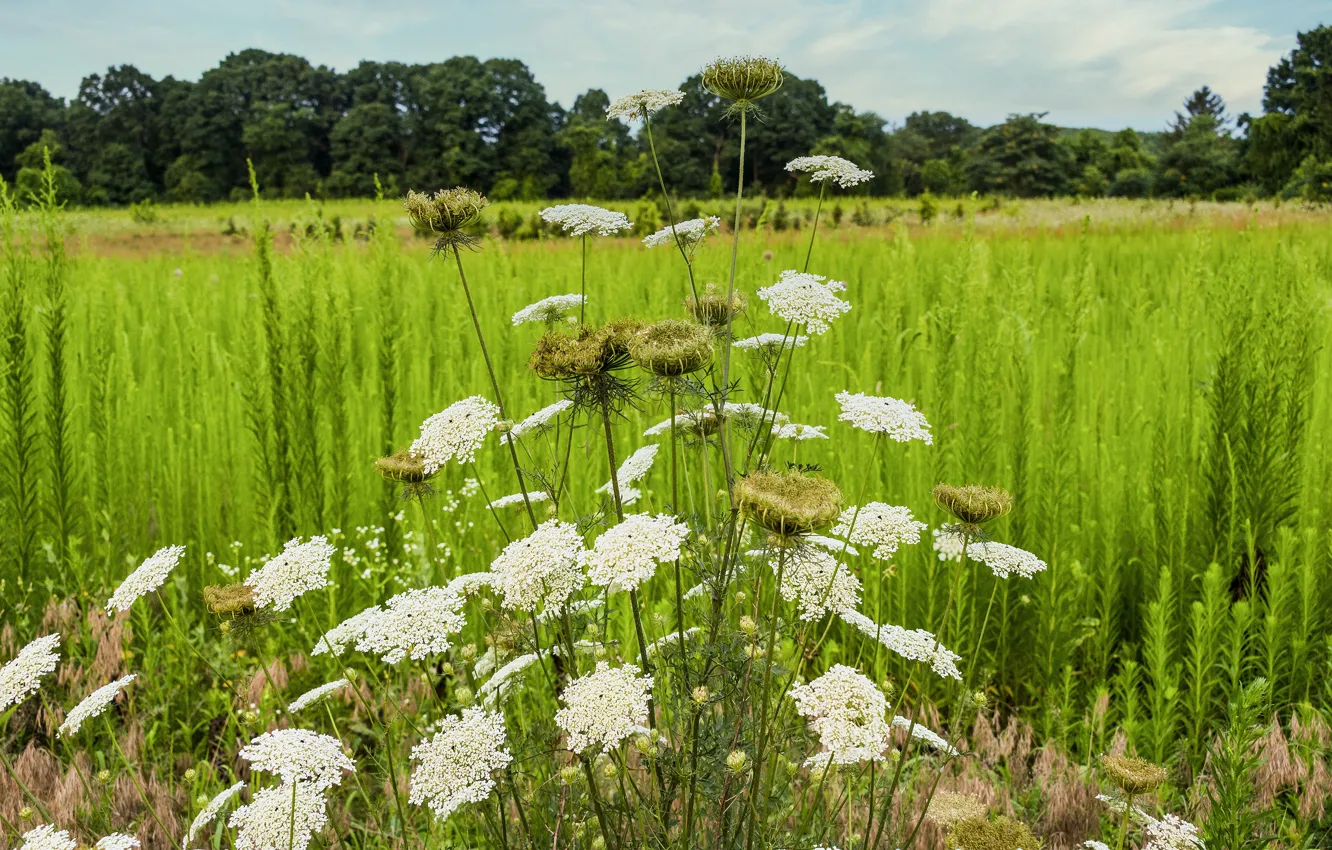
1235, 821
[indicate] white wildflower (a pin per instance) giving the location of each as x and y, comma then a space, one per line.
911, 644
210, 811
347, 633
634, 468
314, 695
539, 422
22, 676
1095, 845
949, 543
670, 638
1004, 560
497, 685
885, 527
794, 431
455, 433
416, 623
469, 584
548, 310
837, 547
299, 755
808, 300
117, 841
627, 554
300, 568
456, 765
47, 837
922, 733
148, 577
93, 705
690, 233
515, 499
816, 582
846, 710
897, 419
604, 707
749, 416
642, 103
283, 817
574, 607
582, 219
771, 342
542, 568
843, 172
686, 422
1172, 833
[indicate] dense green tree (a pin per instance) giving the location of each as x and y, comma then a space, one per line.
368, 141
1200, 157
26, 109
602, 156
185, 181
31, 163
1023, 157
1297, 103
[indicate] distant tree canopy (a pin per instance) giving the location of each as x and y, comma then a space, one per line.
488, 124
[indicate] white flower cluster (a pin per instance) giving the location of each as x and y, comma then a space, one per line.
685, 420
574, 607
949, 543
923, 733
148, 577
300, 568
771, 343
885, 527
898, 419
469, 584
1172, 833
1004, 560
1096, 845
794, 431
911, 644
604, 707
689, 233
548, 310
117, 841
515, 499
633, 469
283, 817
581, 219
93, 705
643, 103
846, 710
456, 432
538, 422
22, 676
843, 172
299, 755
347, 633
314, 695
210, 811
817, 583
497, 685
837, 547
416, 623
808, 300
455, 766
627, 554
542, 568
47, 837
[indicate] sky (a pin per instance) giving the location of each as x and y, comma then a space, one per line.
1088, 63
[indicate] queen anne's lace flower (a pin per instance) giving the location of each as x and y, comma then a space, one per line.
581, 219
210, 811
794, 431
843, 172
117, 841
47, 837
633, 469
515, 499
1172, 833
299, 755
539, 422
690, 233
456, 432
816, 582
949, 543
1004, 560
93, 705
574, 607
897, 419
808, 300
22, 676
456, 765
497, 685
604, 707
627, 554
923, 733
300, 568
1096, 845
284, 817
148, 577
416, 623
314, 695
469, 584
643, 103
911, 644
542, 568
846, 710
548, 310
832, 544
347, 633
771, 342
885, 527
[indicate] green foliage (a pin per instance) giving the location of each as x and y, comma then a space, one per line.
1235, 820
1023, 158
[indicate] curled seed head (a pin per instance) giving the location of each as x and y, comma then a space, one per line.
789, 503
1001, 833
947, 808
671, 348
973, 504
589, 352
446, 210
714, 308
1132, 775
232, 599
404, 467
743, 79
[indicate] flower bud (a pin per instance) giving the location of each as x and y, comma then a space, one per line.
446, 669
747, 625
570, 774
26, 813
469, 651
350, 674
190, 774
609, 770
737, 761
464, 694
700, 695
741, 596
103, 776
599, 843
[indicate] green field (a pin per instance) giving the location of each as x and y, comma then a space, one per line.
1151, 386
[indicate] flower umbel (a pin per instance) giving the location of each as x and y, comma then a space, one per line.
627, 554
548, 310
22, 676
210, 811
843, 172
92, 705
299, 755
892, 417
455, 766
542, 568
885, 527
47, 837
808, 300
643, 103
605, 707
279, 818
1004, 560
300, 568
788, 503
743, 79
416, 623
148, 577
455, 433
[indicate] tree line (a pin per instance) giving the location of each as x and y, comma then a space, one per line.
128, 138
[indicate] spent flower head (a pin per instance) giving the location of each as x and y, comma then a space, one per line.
1000, 833
299, 755
457, 764
146, 578
715, 308
456, 432
1132, 775
947, 808
808, 300
788, 503
643, 103
298, 569
93, 705
542, 568
446, 213
898, 420
22, 676
627, 554
973, 504
582, 219
743, 79
671, 348
604, 707
843, 172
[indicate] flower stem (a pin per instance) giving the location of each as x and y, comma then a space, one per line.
815, 229
760, 750
1124, 824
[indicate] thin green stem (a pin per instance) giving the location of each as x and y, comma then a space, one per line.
761, 750
815, 229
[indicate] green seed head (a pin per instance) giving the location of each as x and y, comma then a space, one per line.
232, 599
445, 211
671, 348
973, 504
403, 467
1132, 775
999, 834
589, 352
714, 308
789, 503
743, 79
947, 808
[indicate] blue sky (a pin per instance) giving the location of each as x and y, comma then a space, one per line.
1105, 63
